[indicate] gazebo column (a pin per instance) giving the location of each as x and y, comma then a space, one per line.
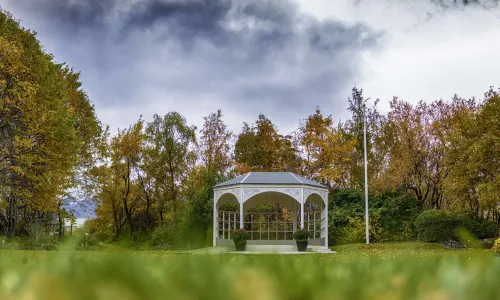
302, 208
241, 216
241, 209
216, 222
326, 222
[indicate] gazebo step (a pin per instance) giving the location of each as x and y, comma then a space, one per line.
324, 250
319, 249
272, 248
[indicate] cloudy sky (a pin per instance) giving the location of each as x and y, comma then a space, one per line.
281, 58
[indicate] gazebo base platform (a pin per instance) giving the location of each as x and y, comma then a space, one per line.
275, 246
281, 249
264, 252
319, 251
272, 248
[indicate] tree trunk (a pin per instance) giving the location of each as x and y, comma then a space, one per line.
10, 217
61, 226
148, 206
116, 221
172, 190
61, 221
128, 213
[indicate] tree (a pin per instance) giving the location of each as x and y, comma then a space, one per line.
421, 138
126, 149
170, 154
262, 148
215, 161
117, 190
214, 145
47, 125
245, 149
327, 150
473, 184
411, 155
108, 197
376, 144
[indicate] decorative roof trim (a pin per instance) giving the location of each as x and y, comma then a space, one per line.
246, 177
295, 177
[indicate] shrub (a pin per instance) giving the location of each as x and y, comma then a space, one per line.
174, 233
88, 241
99, 228
396, 216
163, 238
435, 226
301, 235
392, 217
486, 229
496, 246
44, 242
239, 237
10, 244
488, 243
353, 231
441, 226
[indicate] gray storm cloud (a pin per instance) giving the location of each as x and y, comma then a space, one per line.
451, 3
196, 56
244, 56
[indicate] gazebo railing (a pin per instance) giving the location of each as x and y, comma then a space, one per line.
228, 221
312, 222
268, 226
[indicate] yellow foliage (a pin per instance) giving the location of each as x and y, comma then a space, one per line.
496, 246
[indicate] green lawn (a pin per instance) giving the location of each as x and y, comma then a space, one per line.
378, 271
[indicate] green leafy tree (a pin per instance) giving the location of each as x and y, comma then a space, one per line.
376, 139
215, 161
262, 148
473, 184
170, 153
47, 127
117, 189
327, 150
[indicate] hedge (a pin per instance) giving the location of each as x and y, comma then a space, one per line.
441, 226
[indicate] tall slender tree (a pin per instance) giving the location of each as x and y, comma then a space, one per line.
327, 150
170, 150
376, 143
214, 152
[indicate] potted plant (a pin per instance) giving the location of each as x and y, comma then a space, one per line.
301, 237
496, 247
240, 238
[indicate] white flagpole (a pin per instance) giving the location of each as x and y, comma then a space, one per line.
366, 181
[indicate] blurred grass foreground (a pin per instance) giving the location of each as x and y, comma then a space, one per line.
379, 271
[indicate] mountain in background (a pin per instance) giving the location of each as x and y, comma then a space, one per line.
82, 209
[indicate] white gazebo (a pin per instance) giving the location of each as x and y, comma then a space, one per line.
297, 203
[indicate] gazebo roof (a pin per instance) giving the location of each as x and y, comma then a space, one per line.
284, 178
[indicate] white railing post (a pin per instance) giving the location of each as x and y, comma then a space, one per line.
314, 224
223, 225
